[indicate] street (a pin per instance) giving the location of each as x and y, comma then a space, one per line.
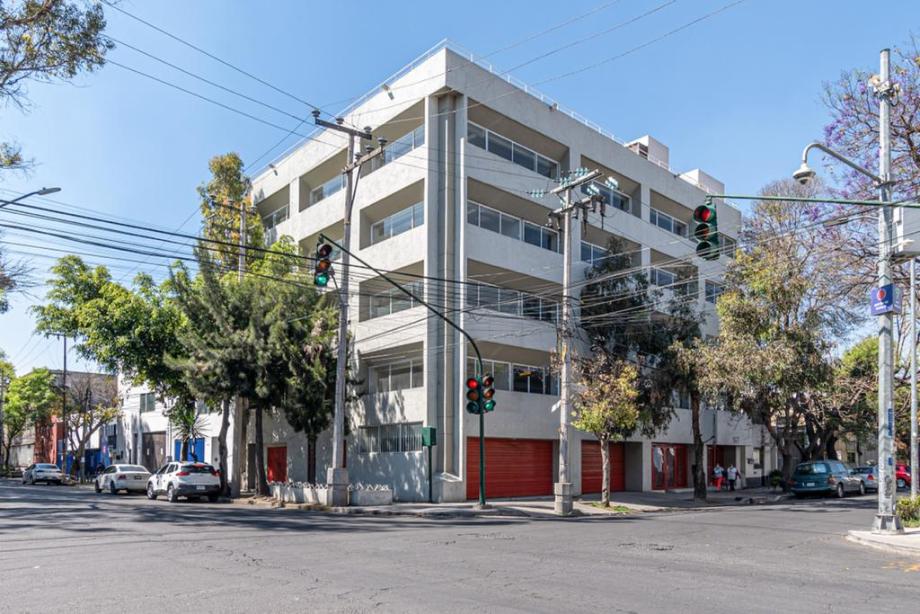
68, 549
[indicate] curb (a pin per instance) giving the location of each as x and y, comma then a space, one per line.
885, 547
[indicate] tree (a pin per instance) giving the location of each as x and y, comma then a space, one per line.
44, 40
92, 401
7, 374
29, 400
14, 277
787, 298
606, 406
187, 426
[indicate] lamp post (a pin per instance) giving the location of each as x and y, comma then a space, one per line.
40, 192
885, 519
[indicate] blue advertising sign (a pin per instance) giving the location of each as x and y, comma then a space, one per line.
886, 299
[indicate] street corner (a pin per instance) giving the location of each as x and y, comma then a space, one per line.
905, 544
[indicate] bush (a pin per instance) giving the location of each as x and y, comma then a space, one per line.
776, 478
908, 510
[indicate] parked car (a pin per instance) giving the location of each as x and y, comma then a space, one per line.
902, 475
185, 479
827, 477
42, 472
122, 477
869, 477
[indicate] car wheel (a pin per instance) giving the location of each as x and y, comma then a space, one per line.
171, 494
96, 487
901, 483
212, 498
151, 493
862, 488
841, 493
112, 489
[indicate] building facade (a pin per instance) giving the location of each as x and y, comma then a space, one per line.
449, 210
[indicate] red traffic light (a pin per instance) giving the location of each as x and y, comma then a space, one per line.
472, 383
323, 250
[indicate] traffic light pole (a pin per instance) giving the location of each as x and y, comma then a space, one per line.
482, 458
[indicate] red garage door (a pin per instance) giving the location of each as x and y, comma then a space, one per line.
592, 467
277, 464
514, 467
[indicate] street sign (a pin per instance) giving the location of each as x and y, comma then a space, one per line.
885, 299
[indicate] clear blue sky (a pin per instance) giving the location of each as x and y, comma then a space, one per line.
737, 95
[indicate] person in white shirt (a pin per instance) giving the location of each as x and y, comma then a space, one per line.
732, 473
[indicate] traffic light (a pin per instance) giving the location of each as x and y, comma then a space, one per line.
322, 270
706, 231
488, 392
474, 395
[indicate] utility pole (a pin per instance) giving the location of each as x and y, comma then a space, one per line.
337, 475
562, 489
64, 412
885, 520
913, 378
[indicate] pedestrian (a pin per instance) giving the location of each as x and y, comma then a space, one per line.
717, 472
732, 473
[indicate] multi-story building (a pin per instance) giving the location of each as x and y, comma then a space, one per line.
448, 208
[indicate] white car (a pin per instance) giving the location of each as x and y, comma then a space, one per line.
122, 477
185, 479
42, 472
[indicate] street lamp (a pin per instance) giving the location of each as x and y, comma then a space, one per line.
885, 519
41, 192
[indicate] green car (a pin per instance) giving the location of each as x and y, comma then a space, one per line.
827, 477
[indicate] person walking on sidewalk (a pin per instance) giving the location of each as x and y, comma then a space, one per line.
732, 473
717, 472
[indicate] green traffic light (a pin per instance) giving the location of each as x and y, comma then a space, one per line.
321, 279
489, 405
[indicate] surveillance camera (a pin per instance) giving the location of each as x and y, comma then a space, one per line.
804, 174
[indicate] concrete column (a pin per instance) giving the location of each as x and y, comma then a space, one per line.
294, 197
646, 465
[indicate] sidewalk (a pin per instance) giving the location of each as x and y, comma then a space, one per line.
906, 543
621, 504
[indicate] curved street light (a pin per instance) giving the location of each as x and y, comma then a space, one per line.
40, 192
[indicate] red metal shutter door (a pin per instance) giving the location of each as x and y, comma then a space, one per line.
514, 467
591, 467
277, 464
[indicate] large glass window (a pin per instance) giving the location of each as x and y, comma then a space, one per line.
512, 302
661, 277
148, 401
593, 254
398, 376
511, 226
713, 291
392, 300
519, 378
398, 223
326, 190
397, 148
666, 222
509, 150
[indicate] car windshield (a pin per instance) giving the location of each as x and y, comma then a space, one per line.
132, 468
811, 468
46, 466
198, 468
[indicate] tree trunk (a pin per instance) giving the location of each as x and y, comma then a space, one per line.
605, 468
830, 445
787, 465
222, 444
699, 472
6, 452
311, 459
183, 449
261, 482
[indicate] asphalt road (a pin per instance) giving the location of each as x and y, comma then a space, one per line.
67, 549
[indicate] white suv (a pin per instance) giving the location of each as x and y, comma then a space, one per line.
185, 479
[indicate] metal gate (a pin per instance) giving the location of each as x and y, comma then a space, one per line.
514, 467
153, 450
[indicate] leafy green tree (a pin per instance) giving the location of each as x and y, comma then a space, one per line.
7, 373
606, 406
30, 400
44, 40
92, 401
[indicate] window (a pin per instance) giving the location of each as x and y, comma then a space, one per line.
667, 222
729, 245
593, 254
398, 223
511, 226
390, 301
509, 150
274, 218
400, 437
326, 190
612, 197
519, 378
398, 376
713, 290
396, 149
512, 302
148, 401
661, 277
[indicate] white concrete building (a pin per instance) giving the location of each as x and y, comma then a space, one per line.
448, 207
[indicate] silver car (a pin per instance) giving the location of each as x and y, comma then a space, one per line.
868, 475
42, 472
122, 477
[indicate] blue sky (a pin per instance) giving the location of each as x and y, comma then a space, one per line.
737, 95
